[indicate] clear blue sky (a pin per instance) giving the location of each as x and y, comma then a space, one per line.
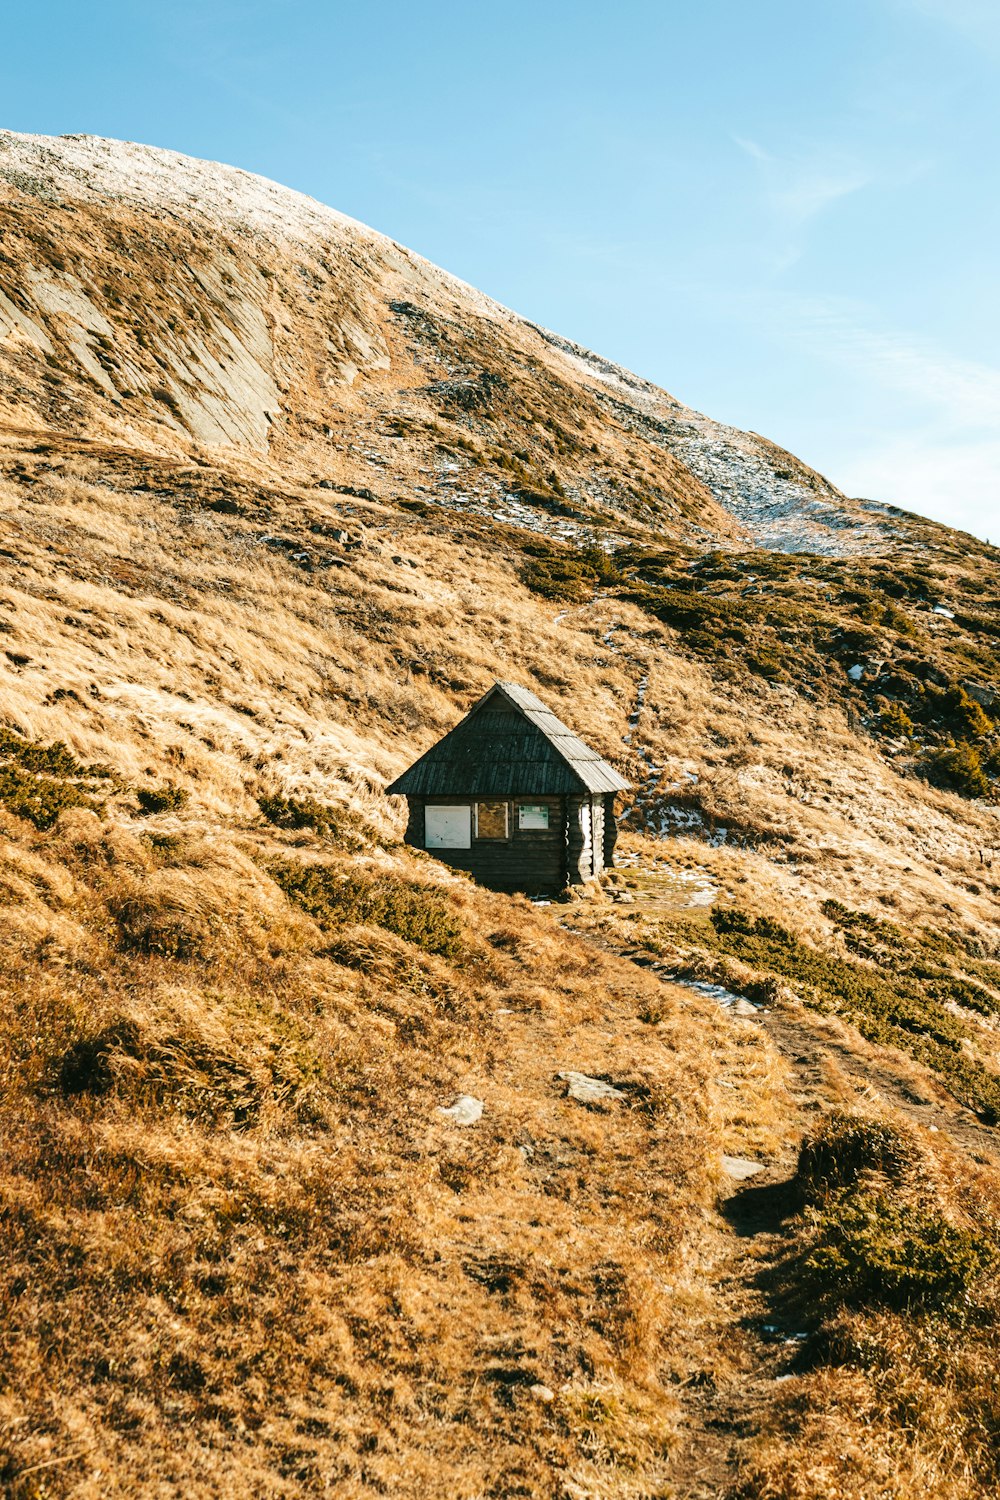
786, 213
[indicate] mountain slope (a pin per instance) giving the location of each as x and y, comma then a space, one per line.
181, 300
279, 499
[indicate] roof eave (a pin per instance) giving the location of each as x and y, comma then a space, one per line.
524, 702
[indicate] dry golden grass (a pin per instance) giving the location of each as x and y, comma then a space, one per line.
904, 1402
252, 1259
242, 1253
882, 1401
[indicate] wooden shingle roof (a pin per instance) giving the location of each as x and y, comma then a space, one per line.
508, 745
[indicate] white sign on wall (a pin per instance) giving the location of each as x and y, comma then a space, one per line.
447, 827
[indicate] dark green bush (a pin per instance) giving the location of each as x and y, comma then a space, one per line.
870, 1248
732, 919
306, 812
44, 760
963, 715
338, 898
39, 781
689, 611
40, 799
868, 936
895, 721
568, 579
167, 798
957, 768
767, 664
884, 997
943, 984
860, 642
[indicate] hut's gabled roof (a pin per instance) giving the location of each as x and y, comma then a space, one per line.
508, 745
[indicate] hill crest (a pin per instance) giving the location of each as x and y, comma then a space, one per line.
267, 310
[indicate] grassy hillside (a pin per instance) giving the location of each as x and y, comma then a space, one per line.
244, 1252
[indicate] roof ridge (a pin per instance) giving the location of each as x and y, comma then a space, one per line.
451, 766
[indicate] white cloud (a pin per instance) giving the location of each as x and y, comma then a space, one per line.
941, 456
752, 149
962, 394
812, 192
958, 484
799, 187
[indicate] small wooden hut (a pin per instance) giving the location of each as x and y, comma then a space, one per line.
514, 797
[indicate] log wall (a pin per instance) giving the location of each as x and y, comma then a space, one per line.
529, 860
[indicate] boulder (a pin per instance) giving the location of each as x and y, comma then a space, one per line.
982, 693
357, 491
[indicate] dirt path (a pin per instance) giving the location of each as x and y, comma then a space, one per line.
772, 1340
761, 1347
761, 1339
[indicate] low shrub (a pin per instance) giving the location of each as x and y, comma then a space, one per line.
895, 721
338, 898
39, 781
945, 985
44, 760
868, 936
567, 579
963, 715
957, 768
845, 1147
871, 1248
860, 642
767, 664
883, 995
306, 812
40, 799
160, 799
568, 574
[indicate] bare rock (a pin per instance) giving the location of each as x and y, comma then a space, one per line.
466, 1110
740, 1168
586, 1090
984, 695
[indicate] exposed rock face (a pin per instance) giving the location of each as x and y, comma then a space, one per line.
191, 298
170, 302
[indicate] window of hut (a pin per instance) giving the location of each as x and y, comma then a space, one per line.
491, 820
447, 827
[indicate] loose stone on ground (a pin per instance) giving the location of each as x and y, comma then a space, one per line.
466, 1110
588, 1090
